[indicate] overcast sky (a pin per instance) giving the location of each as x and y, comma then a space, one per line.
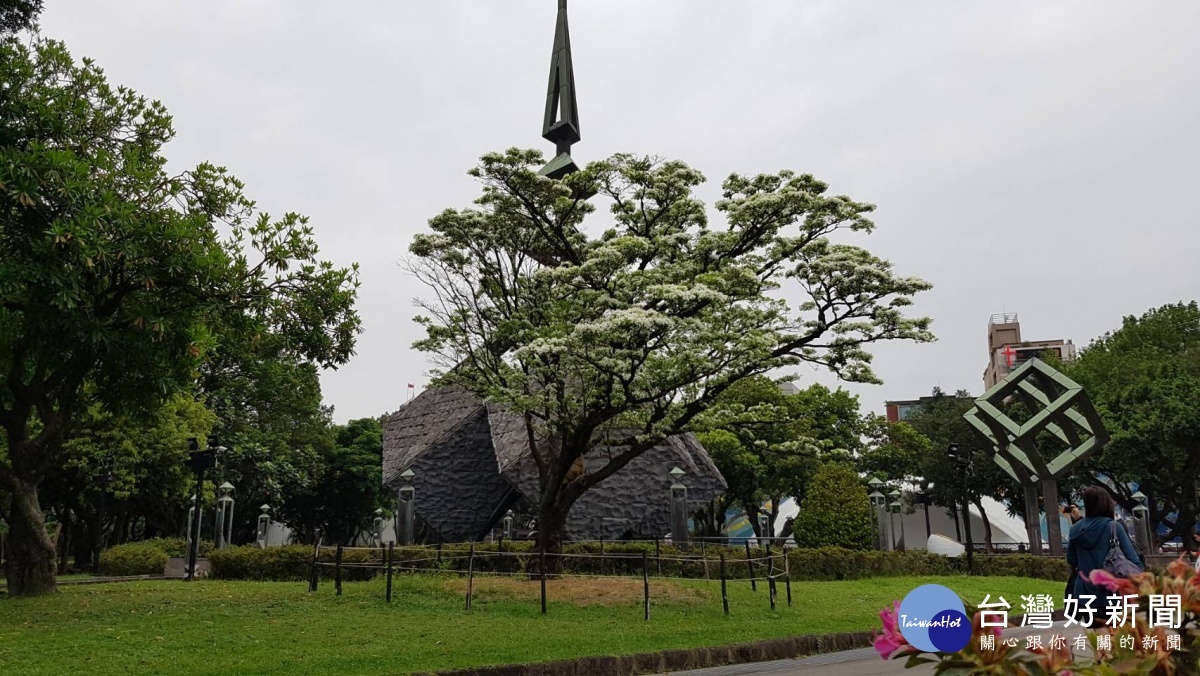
1031, 157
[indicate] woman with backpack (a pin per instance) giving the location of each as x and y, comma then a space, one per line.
1091, 546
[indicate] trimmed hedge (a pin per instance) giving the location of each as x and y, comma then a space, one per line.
145, 557
291, 563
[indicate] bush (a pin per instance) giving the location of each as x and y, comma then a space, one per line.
836, 511
143, 557
290, 563
134, 558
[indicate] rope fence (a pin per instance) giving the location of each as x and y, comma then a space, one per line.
365, 563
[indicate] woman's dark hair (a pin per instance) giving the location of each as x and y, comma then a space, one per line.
1097, 502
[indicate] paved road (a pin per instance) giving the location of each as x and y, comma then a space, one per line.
863, 662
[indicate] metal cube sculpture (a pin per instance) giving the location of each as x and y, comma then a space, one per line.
1061, 408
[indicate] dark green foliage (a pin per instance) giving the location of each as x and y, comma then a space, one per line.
16, 15
768, 445
147, 557
1144, 379
836, 512
118, 280
343, 495
624, 558
135, 558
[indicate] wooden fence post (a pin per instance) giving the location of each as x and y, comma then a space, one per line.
645, 586
389, 571
724, 592
771, 580
658, 555
542, 555
337, 571
470, 574
312, 573
750, 567
787, 577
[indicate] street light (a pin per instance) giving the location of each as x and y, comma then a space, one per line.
895, 497
405, 496
877, 499
1142, 512
896, 505
679, 531
224, 535
963, 460
264, 525
379, 527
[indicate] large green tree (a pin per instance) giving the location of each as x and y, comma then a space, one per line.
343, 497
119, 471
619, 333
1144, 379
117, 274
768, 445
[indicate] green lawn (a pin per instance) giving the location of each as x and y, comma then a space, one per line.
212, 627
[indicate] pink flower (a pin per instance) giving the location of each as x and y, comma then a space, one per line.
1103, 578
891, 639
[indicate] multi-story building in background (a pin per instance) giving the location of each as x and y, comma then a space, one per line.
1007, 351
901, 410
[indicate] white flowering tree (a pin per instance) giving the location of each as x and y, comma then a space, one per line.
618, 332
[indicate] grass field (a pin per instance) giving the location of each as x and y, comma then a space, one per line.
212, 627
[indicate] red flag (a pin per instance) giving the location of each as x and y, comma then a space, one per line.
411, 386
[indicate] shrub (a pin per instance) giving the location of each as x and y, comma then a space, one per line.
134, 558
836, 511
290, 563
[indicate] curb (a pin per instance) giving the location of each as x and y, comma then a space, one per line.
677, 660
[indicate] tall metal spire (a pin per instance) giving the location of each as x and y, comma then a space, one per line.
561, 125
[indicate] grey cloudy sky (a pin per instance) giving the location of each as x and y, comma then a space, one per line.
1035, 157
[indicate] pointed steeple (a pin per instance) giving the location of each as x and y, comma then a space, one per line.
561, 125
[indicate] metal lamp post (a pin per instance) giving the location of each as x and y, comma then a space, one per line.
379, 527
224, 534
679, 530
405, 496
963, 459
1142, 513
894, 496
264, 526
878, 499
896, 507
875, 496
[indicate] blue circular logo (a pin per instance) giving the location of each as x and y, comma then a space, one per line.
933, 619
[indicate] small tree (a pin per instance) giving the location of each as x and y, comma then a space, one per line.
836, 512
620, 335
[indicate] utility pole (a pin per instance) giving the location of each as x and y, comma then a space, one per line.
198, 461
963, 460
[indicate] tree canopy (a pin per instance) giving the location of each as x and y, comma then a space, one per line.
768, 445
621, 333
1144, 379
117, 275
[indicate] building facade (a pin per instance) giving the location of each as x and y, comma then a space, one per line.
1007, 350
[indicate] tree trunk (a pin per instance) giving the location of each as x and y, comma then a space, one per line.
987, 526
552, 529
31, 560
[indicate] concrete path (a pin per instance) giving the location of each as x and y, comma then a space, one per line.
864, 661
